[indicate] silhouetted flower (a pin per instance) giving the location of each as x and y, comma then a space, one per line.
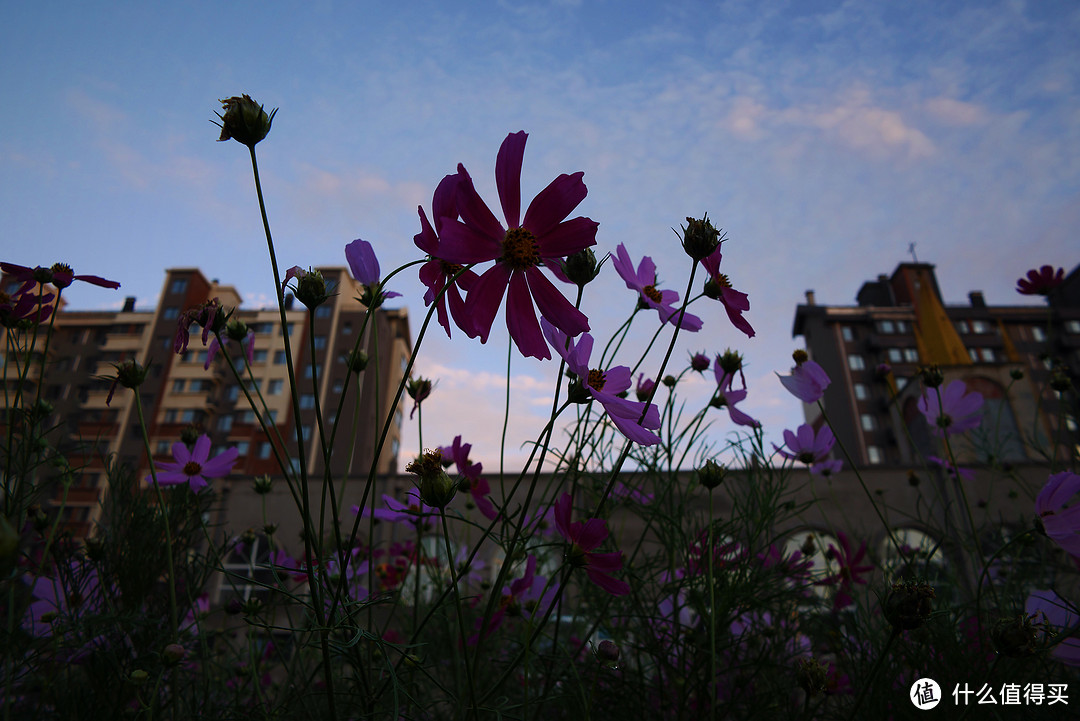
807, 445
519, 250
1041, 281
438, 273
1061, 615
725, 397
807, 381
365, 268
718, 287
478, 487
849, 570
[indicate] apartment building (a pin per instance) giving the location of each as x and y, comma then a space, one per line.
179, 391
873, 351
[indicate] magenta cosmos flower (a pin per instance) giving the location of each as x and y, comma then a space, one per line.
1060, 523
1041, 281
584, 537
849, 570
437, 273
632, 418
60, 275
529, 597
807, 381
806, 445
544, 236
718, 287
194, 467
643, 280
726, 397
25, 305
365, 268
952, 410
478, 486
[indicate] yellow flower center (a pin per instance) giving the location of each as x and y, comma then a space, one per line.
652, 293
597, 379
520, 250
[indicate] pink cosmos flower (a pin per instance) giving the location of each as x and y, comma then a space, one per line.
60, 275
478, 486
543, 237
208, 315
827, 468
807, 381
365, 268
584, 537
850, 571
437, 273
604, 386
1041, 281
718, 286
643, 280
955, 411
25, 305
965, 473
194, 467
807, 445
1061, 614
1060, 523
725, 397
415, 512
526, 597
644, 387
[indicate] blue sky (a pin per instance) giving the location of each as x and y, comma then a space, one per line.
824, 137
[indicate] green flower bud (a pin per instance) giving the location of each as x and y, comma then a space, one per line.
700, 238
236, 329
907, 606
139, 677
263, 485
731, 361
932, 376
812, 676
581, 267
437, 489
244, 120
356, 361
711, 474
1016, 637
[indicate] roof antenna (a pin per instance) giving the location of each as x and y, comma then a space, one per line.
911, 249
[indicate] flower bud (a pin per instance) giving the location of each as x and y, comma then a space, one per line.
607, 652
699, 362
581, 267
236, 329
263, 485
1059, 381
130, 374
189, 435
1016, 637
800, 356
669, 381
932, 376
731, 361
173, 653
244, 120
418, 389
644, 387
311, 289
437, 489
711, 474
1016, 374
907, 606
139, 677
356, 361
812, 676
700, 238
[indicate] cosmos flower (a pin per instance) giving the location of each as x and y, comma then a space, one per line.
195, 467
643, 280
965, 473
644, 387
584, 537
955, 411
525, 597
718, 287
519, 249
365, 268
25, 306
604, 386
807, 381
59, 274
848, 571
726, 397
437, 273
478, 487
1041, 281
807, 445
1061, 523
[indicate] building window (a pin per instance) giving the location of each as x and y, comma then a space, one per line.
886, 326
1072, 326
170, 415
307, 401
895, 356
911, 355
248, 572
241, 448
320, 342
178, 286
856, 363
338, 385
1038, 333
309, 370
305, 432
162, 447
258, 356
187, 416
962, 327
980, 326
225, 423
247, 416
974, 354
847, 333
279, 358
901, 326
867, 421
199, 385
346, 327
274, 386
862, 392
323, 311
170, 313
178, 386
873, 454
233, 393
264, 449
987, 355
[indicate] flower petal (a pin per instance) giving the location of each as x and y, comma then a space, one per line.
485, 298
554, 306
567, 238
508, 176
552, 204
521, 319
